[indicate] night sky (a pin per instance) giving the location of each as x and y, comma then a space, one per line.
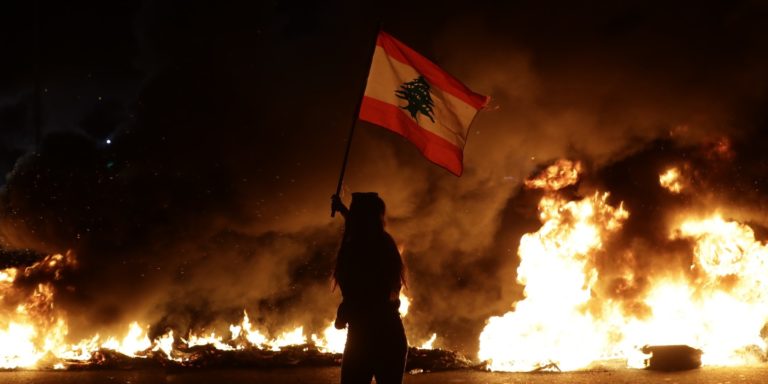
188, 150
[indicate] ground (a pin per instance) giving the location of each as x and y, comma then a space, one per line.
741, 375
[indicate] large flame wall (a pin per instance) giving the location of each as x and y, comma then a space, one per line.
719, 304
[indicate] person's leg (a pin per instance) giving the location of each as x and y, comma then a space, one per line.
356, 365
354, 371
391, 354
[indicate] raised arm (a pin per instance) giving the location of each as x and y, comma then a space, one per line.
338, 206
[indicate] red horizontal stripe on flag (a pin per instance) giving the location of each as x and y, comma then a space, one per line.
432, 146
434, 74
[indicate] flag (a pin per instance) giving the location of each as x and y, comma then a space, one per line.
410, 95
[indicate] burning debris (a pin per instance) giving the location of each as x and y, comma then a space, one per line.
550, 324
34, 336
208, 356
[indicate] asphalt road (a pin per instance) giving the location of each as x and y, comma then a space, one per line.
740, 375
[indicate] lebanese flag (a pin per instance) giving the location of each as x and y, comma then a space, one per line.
410, 95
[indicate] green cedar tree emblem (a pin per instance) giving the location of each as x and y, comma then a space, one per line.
416, 93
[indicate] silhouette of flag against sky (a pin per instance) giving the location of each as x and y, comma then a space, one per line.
410, 95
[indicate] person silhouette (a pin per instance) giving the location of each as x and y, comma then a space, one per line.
369, 272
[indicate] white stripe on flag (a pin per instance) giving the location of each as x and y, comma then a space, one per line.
452, 115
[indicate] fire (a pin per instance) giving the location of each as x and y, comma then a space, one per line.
34, 330
8, 275
251, 334
165, 344
551, 324
333, 339
210, 339
734, 268
429, 343
405, 303
671, 180
16, 346
135, 340
719, 305
557, 176
294, 337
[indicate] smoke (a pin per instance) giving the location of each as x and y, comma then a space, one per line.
215, 197
14, 115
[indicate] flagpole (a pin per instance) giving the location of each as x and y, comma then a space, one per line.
354, 119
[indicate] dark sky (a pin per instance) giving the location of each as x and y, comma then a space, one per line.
227, 122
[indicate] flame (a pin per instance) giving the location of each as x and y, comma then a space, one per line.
333, 340
429, 343
251, 334
719, 305
294, 337
405, 303
556, 176
210, 339
551, 323
8, 275
16, 346
35, 330
165, 344
135, 341
671, 180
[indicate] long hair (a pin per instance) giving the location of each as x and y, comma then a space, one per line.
364, 228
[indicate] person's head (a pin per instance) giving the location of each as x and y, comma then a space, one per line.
364, 227
366, 214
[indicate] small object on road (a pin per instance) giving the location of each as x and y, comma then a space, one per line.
550, 366
672, 357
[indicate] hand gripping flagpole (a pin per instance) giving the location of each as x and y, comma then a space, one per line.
354, 119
